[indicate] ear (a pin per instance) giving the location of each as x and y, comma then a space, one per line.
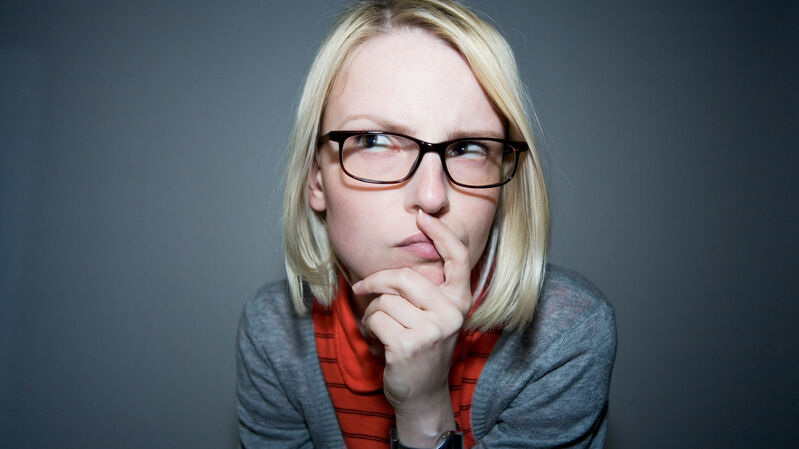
316, 189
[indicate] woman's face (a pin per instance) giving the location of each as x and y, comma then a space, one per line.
411, 83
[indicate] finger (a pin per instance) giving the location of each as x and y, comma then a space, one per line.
404, 282
452, 250
384, 328
402, 342
398, 308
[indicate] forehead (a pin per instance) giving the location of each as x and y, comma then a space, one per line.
413, 81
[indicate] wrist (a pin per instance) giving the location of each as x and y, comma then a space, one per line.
422, 427
448, 440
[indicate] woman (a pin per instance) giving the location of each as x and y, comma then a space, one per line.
419, 311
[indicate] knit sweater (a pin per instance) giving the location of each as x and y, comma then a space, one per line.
543, 387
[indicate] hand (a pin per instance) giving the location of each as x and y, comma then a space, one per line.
418, 324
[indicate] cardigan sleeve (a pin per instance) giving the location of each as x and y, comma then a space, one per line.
268, 418
550, 386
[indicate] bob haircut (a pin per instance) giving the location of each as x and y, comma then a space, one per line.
515, 255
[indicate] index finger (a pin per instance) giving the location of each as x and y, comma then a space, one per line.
452, 250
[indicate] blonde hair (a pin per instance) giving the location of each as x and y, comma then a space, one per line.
516, 252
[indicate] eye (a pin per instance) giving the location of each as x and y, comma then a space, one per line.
468, 149
376, 142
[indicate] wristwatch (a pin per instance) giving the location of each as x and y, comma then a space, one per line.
449, 440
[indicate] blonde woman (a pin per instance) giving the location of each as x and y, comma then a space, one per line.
419, 310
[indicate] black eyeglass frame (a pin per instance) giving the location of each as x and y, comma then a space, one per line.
424, 148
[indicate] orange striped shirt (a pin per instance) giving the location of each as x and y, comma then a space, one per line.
354, 376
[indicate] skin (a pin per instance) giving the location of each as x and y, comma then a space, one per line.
412, 298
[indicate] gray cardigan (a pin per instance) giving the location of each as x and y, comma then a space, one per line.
544, 387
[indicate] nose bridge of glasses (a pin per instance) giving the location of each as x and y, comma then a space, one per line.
436, 148
427, 147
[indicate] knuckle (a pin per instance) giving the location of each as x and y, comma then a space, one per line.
408, 347
435, 333
371, 320
379, 317
453, 319
372, 308
432, 332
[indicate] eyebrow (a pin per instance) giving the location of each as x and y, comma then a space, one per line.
465, 134
386, 125
382, 124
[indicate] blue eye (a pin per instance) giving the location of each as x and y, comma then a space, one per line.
373, 140
467, 149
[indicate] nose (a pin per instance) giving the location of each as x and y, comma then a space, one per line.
429, 186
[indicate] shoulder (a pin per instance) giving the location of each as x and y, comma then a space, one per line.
269, 321
269, 305
572, 319
281, 396
567, 300
559, 365
272, 301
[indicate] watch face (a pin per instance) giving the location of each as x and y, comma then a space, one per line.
451, 440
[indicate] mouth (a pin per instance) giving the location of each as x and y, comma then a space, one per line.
420, 246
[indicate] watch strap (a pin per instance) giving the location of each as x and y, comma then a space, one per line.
449, 440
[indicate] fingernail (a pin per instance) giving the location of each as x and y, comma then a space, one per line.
356, 285
425, 217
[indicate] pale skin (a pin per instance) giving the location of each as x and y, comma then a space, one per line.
408, 248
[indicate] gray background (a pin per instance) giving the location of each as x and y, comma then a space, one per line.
142, 151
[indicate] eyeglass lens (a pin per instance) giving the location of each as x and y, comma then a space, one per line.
390, 158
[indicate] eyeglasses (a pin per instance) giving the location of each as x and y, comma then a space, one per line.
388, 158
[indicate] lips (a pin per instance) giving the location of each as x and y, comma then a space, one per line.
421, 246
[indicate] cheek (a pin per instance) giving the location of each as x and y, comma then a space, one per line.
477, 247
343, 220
354, 228
478, 220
